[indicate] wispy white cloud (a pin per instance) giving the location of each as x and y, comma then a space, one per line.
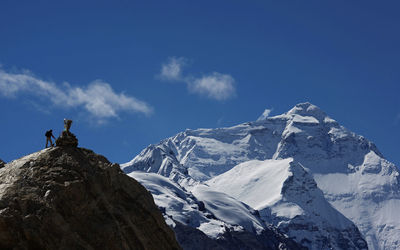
172, 69
98, 98
14, 83
215, 85
265, 114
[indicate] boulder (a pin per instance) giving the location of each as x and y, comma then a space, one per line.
67, 139
71, 198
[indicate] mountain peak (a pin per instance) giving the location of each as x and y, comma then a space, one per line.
304, 109
307, 109
347, 169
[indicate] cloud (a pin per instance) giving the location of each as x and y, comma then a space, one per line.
98, 98
215, 85
11, 84
265, 114
172, 69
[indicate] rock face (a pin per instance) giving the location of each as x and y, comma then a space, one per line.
67, 139
2, 163
72, 198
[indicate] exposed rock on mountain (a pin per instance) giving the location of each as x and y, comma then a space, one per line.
67, 139
351, 172
2, 163
72, 198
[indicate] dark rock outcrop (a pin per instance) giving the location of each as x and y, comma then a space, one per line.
72, 198
67, 139
2, 163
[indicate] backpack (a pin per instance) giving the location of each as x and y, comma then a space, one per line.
48, 133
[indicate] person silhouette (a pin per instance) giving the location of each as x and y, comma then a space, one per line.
48, 135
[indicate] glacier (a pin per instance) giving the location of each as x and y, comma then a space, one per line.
208, 219
287, 196
304, 173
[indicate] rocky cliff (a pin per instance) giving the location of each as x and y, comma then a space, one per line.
72, 198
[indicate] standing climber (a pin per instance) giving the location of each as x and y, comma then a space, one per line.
48, 135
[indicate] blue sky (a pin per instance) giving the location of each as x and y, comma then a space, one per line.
170, 65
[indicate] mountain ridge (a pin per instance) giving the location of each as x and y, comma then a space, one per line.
204, 218
300, 203
309, 136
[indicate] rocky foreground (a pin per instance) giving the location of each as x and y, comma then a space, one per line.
72, 198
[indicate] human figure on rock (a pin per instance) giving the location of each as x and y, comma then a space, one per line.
48, 135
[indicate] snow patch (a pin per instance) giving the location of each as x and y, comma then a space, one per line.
305, 119
228, 209
257, 183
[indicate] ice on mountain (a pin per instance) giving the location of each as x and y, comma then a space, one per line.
292, 197
329, 120
372, 163
305, 119
338, 133
307, 110
288, 210
161, 160
212, 228
220, 210
290, 129
351, 172
370, 197
256, 183
228, 209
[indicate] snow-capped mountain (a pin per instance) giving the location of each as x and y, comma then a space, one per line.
208, 219
307, 147
286, 195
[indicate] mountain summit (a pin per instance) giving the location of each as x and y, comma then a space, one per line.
71, 198
308, 109
315, 158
